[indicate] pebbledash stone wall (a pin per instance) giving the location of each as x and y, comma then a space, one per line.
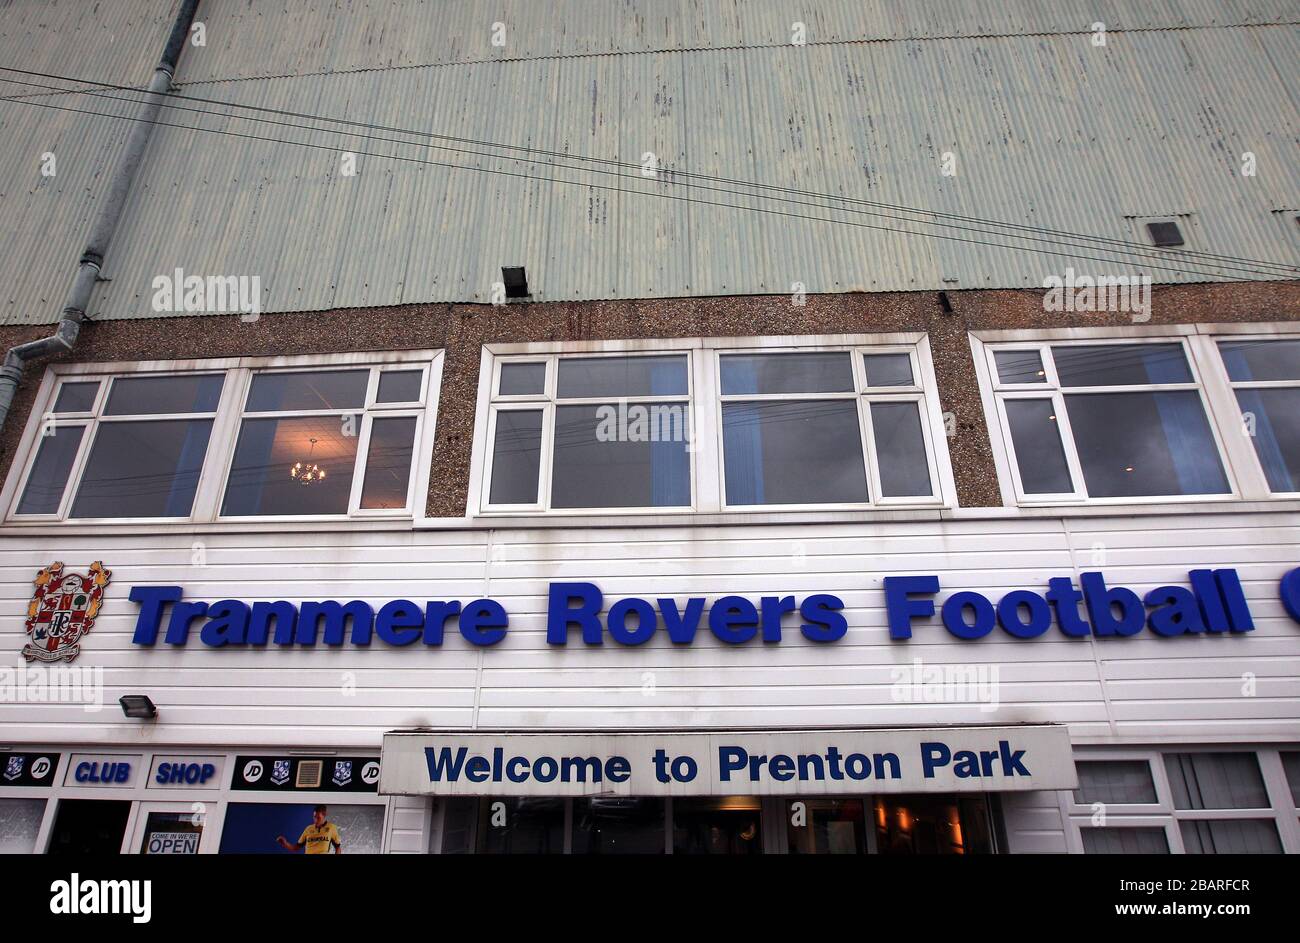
461, 330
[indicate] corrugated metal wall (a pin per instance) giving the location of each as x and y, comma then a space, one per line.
1047, 131
45, 220
248, 39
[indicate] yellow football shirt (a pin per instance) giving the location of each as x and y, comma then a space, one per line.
319, 838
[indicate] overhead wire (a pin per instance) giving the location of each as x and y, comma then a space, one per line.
1140, 248
1206, 269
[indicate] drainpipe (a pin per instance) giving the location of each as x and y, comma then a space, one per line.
92, 256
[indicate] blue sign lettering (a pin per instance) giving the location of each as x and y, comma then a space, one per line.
171, 774
448, 766
1214, 603
93, 771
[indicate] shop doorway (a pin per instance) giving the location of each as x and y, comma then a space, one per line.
724, 825
888, 825
646, 825
933, 825
167, 828
89, 827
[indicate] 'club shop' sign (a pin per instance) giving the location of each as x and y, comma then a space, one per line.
1212, 603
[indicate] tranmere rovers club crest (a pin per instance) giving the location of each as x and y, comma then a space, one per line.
62, 611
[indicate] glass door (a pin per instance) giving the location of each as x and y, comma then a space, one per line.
169, 828
89, 827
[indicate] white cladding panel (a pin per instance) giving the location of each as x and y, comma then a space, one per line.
1140, 689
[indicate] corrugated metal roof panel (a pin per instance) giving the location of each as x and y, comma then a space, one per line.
110, 42
257, 40
1047, 131
47, 218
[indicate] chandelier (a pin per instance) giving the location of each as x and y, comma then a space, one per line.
307, 472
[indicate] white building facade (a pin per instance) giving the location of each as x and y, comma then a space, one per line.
592, 430
780, 655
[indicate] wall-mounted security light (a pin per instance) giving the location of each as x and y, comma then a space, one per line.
1165, 233
138, 705
515, 280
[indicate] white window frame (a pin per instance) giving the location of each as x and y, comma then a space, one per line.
1241, 466
704, 401
1234, 385
548, 402
1162, 813
864, 396
226, 422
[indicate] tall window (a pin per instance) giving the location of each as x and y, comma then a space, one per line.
294, 437
131, 446
1265, 378
1225, 802
1221, 781
349, 433
709, 425
591, 432
1105, 421
827, 427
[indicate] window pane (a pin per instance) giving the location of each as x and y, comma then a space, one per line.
143, 469
20, 825
932, 825
1234, 837
1040, 456
171, 833
621, 376
49, 475
516, 457
621, 456
458, 817
1216, 781
267, 449
531, 826
1133, 444
1125, 841
1272, 419
806, 452
1020, 366
834, 827
1121, 364
888, 369
249, 824
618, 826
1261, 360
76, 397
900, 449
1114, 781
388, 463
138, 396
1291, 763
726, 826
320, 389
787, 373
399, 386
522, 379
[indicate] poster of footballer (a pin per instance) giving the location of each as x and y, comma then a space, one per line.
269, 828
